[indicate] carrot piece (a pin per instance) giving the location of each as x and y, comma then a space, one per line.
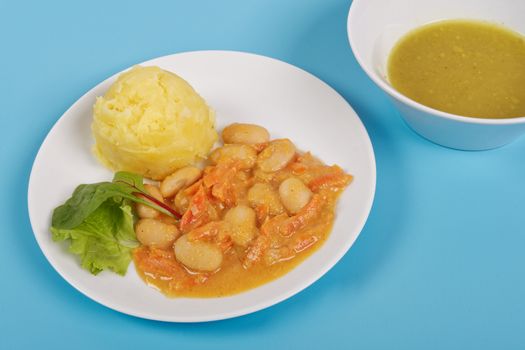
214, 231
261, 212
297, 168
197, 213
220, 180
303, 217
192, 189
260, 245
335, 179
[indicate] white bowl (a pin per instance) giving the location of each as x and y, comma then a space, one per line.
374, 26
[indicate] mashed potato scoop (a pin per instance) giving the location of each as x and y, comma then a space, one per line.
152, 122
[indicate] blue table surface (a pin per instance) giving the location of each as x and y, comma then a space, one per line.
440, 263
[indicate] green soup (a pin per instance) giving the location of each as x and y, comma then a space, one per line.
464, 67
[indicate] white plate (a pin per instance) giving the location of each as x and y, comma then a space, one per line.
241, 87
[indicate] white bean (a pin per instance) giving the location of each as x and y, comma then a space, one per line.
197, 255
294, 194
155, 233
276, 155
144, 211
179, 179
245, 154
263, 194
242, 220
245, 134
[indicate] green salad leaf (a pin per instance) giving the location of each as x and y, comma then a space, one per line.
98, 221
104, 239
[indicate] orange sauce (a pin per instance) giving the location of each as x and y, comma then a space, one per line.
286, 239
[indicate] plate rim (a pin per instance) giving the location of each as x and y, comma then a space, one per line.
266, 303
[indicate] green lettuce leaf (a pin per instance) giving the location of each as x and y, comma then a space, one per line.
104, 238
98, 221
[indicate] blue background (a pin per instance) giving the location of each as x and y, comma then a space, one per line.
439, 264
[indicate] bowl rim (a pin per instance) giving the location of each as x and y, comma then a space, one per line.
353, 12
